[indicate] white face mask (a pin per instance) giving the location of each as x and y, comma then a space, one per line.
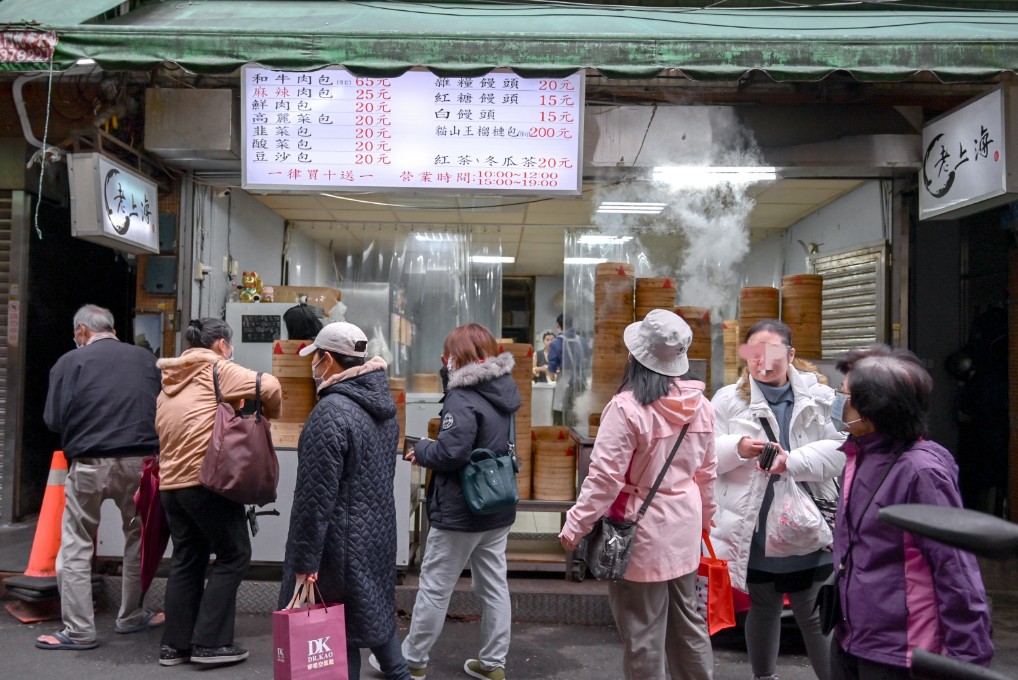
314, 376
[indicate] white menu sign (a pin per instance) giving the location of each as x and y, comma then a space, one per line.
330, 130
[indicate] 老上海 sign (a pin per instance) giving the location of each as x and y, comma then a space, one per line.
330, 130
969, 158
113, 205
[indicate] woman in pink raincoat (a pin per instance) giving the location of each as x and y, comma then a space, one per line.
654, 605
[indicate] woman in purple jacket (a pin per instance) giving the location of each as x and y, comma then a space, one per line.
898, 591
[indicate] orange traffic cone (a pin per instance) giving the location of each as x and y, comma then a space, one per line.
43, 560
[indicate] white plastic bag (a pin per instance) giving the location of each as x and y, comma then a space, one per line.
794, 525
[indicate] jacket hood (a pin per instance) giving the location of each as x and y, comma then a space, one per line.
369, 390
491, 379
682, 403
179, 371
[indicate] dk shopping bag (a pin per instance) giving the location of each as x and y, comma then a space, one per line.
309, 638
714, 591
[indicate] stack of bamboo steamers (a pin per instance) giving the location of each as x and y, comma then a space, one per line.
522, 374
554, 464
614, 310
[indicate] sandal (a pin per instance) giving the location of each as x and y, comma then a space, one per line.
144, 624
64, 642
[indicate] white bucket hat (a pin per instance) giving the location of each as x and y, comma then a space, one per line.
660, 342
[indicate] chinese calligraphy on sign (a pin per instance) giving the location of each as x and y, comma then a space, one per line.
329, 130
112, 204
964, 159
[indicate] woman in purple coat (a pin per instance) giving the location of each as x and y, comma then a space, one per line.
898, 591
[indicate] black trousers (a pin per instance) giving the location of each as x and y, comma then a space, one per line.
845, 666
202, 523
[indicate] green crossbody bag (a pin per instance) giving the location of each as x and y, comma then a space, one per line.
489, 479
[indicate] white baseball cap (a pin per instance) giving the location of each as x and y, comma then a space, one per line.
660, 342
340, 337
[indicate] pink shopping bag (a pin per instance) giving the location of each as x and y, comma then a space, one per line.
309, 639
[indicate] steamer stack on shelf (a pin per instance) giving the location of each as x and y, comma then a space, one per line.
756, 303
698, 319
730, 332
523, 374
294, 374
613, 311
801, 309
397, 388
554, 454
654, 293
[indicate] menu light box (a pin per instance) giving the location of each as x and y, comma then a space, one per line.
328, 130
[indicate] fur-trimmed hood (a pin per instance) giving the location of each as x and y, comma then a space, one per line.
179, 371
492, 379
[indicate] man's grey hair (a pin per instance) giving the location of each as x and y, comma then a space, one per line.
95, 318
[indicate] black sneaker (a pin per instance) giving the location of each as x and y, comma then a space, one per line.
212, 655
168, 656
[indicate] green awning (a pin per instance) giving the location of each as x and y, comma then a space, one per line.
56, 12
381, 38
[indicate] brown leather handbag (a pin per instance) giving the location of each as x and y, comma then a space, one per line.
241, 462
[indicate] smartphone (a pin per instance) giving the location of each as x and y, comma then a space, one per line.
766, 458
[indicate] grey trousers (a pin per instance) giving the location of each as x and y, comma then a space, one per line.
445, 557
90, 481
662, 633
763, 628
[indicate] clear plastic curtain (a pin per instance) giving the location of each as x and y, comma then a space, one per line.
429, 285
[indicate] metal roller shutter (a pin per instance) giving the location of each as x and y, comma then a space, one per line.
854, 299
6, 224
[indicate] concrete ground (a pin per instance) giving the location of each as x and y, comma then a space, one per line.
547, 651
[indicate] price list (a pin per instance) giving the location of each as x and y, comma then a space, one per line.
329, 130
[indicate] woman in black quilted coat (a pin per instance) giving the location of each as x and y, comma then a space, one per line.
479, 402
343, 521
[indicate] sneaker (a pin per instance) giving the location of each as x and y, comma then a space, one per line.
474, 670
168, 656
214, 655
418, 673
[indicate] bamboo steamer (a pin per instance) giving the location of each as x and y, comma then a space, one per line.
730, 336
549, 433
616, 268
593, 422
801, 310
756, 303
698, 319
654, 293
397, 383
554, 477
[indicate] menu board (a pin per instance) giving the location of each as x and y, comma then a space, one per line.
329, 130
259, 327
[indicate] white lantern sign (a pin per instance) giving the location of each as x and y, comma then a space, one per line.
113, 205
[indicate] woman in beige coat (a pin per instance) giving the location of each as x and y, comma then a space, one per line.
199, 615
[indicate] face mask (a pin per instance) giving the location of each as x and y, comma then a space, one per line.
450, 364
838, 413
314, 376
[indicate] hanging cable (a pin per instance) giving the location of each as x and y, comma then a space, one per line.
45, 134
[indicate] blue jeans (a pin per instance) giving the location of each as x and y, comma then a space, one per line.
389, 656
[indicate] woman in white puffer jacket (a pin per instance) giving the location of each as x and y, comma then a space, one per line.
796, 406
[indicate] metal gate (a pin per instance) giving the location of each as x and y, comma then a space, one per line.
854, 309
13, 224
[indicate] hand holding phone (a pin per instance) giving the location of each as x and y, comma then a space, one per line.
766, 458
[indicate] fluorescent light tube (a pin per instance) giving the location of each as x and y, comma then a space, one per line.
708, 176
492, 259
631, 207
603, 239
584, 260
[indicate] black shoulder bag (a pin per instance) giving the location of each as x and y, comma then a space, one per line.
607, 547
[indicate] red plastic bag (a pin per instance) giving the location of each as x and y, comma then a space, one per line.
714, 591
309, 639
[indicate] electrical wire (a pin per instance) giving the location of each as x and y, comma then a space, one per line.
45, 135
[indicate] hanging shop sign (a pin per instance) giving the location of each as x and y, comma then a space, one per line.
330, 130
113, 205
970, 162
